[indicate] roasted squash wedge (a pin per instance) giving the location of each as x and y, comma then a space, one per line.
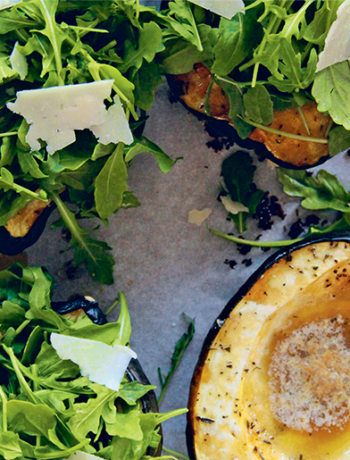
273, 377
192, 88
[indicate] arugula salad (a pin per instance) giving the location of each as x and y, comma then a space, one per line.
72, 72
49, 407
267, 56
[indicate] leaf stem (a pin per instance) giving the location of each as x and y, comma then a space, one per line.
10, 133
63, 453
240, 84
112, 307
177, 454
4, 409
56, 49
22, 381
256, 244
22, 326
174, 413
317, 140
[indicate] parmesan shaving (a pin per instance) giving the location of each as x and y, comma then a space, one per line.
225, 8
55, 113
337, 45
233, 207
101, 363
197, 217
8, 3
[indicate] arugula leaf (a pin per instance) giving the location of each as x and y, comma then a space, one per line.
179, 350
324, 191
88, 251
143, 145
339, 140
110, 184
258, 105
236, 40
184, 25
87, 415
150, 40
331, 89
180, 55
238, 173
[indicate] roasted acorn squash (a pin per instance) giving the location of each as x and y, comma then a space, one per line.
191, 89
273, 377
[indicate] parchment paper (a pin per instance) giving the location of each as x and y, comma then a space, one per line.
166, 265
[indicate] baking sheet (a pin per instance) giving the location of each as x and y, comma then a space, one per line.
166, 265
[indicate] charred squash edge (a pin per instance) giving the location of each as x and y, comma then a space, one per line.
134, 371
340, 236
12, 245
224, 129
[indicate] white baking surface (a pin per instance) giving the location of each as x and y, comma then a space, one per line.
166, 265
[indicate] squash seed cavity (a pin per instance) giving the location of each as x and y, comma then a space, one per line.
310, 377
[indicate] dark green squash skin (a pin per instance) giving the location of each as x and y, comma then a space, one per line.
134, 371
11, 245
336, 236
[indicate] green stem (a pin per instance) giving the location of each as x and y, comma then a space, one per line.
301, 113
4, 409
238, 83
22, 326
177, 454
10, 133
256, 244
283, 133
56, 49
87, 30
22, 381
112, 307
63, 453
174, 413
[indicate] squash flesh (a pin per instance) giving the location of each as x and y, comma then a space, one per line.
234, 394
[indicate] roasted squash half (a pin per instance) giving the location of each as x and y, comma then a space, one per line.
273, 377
192, 88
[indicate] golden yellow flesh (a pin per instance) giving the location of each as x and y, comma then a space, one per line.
22, 222
232, 414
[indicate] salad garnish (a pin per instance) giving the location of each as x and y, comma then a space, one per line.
56, 47
49, 409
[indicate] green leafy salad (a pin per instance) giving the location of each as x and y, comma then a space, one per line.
75, 78
267, 55
49, 407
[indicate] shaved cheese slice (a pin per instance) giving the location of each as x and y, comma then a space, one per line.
337, 45
225, 8
115, 126
7, 3
101, 363
79, 455
19, 62
197, 217
54, 113
234, 207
